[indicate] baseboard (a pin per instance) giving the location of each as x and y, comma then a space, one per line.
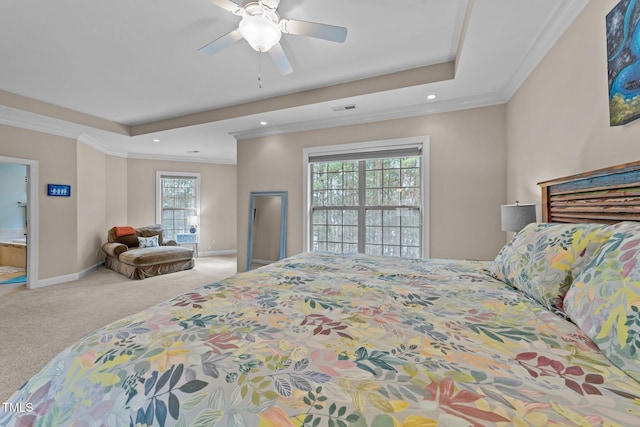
76, 276
66, 278
215, 253
261, 261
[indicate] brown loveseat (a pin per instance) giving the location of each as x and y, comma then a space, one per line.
125, 255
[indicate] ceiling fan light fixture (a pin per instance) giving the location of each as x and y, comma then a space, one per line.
260, 31
262, 27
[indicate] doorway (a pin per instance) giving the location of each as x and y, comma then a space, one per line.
19, 223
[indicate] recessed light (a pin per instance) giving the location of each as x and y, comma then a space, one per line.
263, 123
432, 96
156, 140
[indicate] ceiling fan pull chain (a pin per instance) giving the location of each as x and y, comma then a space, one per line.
262, 28
259, 70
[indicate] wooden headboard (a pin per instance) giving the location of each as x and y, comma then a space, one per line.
606, 195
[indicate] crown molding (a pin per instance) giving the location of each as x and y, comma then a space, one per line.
485, 100
92, 142
172, 158
565, 14
36, 122
418, 76
73, 117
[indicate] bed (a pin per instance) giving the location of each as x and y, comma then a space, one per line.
545, 334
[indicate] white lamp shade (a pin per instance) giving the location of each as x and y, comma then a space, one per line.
193, 220
516, 217
261, 32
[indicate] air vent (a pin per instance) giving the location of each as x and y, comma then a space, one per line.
344, 107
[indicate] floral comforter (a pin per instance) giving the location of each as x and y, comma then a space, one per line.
325, 340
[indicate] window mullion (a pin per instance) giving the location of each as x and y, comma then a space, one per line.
179, 199
399, 221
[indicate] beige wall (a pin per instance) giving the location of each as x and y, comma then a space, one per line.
467, 176
116, 191
558, 121
217, 199
91, 205
107, 191
56, 156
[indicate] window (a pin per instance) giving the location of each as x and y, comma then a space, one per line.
178, 199
367, 202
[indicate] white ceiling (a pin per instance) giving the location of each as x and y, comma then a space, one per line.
136, 63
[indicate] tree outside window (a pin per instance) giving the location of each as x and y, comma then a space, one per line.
179, 199
368, 206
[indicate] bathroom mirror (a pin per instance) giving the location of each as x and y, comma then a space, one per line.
267, 228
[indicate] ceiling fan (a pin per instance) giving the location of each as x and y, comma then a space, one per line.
262, 27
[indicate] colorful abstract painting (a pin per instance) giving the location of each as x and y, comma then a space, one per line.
623, 58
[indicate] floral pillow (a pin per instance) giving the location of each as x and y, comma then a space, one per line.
148, 242
543, 259
604, 300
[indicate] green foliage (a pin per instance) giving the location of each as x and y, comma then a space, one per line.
633, 339
160, 390
498, 333
335, 416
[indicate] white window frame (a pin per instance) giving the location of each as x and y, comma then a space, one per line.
159, 175
359, 147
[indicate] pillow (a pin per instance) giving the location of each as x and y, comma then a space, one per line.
131, 240
150, 231
604, 300
148, 242
124, 231
543, 259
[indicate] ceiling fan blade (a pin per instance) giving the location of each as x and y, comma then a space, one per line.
313, 29
229, 6
220, 43
280, 59
271, 4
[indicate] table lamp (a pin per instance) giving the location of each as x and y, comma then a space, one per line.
516, 217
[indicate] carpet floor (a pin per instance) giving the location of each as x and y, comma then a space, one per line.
37, 324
